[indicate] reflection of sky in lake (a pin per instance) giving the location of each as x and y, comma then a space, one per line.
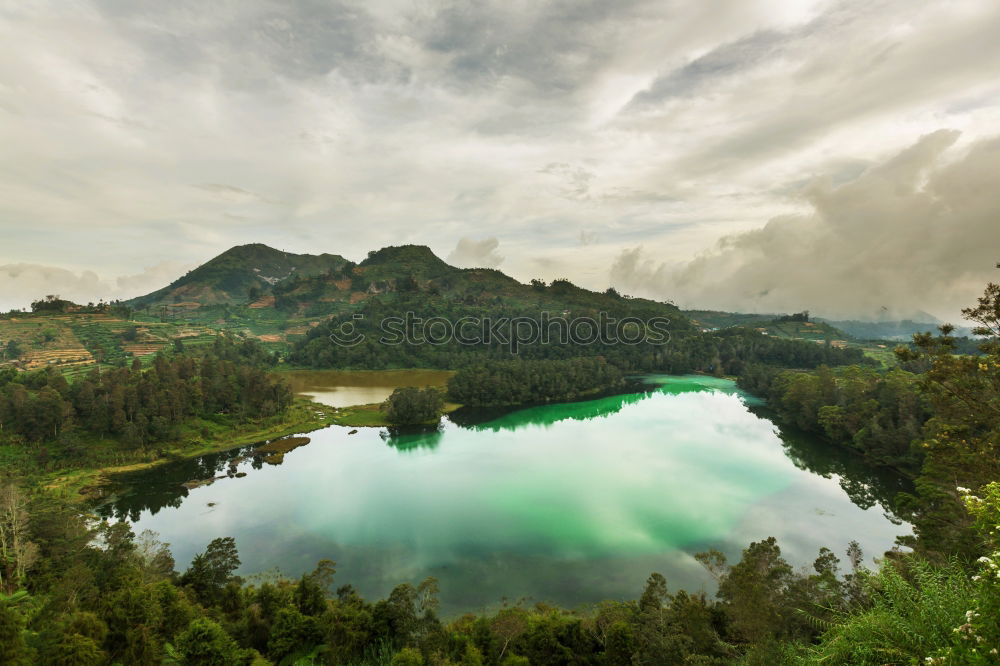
570, 503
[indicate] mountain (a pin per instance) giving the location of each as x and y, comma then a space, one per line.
270, 289
413, 275
242, 273
900, 331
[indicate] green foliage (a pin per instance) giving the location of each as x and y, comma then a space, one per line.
754, 591
880, 414
410, 405
75, 593
961, 441
51, 303
977, 639
210, 571
206, 643
233, 274
107, 600
914, 607
72, 649
13, 350
292, 633
499, 383
12, 648
407, 657
138, 406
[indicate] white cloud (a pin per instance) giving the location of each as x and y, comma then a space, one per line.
140, 132
476, 254
20, 284
917, 231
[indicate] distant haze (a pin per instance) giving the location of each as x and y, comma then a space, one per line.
769, 155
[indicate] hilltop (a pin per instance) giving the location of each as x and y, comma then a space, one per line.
275, 295
240, 274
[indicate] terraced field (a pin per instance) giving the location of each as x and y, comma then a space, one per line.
44, 341
74, 343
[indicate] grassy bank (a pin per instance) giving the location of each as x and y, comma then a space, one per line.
198, 438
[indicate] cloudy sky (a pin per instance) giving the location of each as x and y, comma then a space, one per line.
760, 155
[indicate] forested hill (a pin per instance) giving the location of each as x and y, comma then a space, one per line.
240, 274
413, 278
299, 300
313, 286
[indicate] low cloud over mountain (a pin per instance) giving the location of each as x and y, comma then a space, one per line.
919, 230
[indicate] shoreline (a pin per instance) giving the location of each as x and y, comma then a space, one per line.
87, 483
306, 415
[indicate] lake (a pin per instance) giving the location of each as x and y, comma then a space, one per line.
343, 388
569, 503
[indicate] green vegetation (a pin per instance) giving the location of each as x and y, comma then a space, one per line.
72, 592
410, 406
117, 599
136, 407
504, 383
70, 435
236, 275
912, 611
724, 352
880, 414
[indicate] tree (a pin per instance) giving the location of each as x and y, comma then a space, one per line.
13, 349
72, 649
407, 657
210, 571
292, 633
12, 648
753, 591
205, 643
508, 625
17, 552
619, 645
961, 439
409, 405
156, 561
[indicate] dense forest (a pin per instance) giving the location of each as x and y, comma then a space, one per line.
880, 414
136, 407
504, 383
725, 352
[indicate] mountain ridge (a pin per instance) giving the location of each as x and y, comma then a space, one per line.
307, 285
240, 273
